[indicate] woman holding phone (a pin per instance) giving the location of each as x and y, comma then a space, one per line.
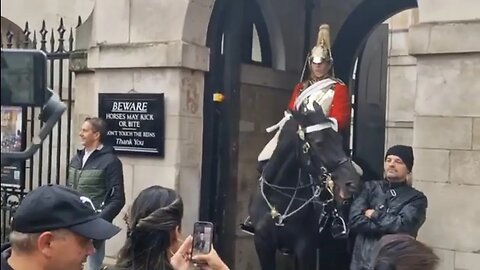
153, 237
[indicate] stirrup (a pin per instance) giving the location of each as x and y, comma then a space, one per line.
338, 227
247, 226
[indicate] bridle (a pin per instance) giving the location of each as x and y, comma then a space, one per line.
326, 184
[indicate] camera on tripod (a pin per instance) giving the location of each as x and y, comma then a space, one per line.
23, 85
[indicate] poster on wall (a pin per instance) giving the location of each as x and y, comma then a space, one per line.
13, 140
136, 122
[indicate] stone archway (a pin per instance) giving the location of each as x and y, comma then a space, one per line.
356, 29
199, 15
217, 177
197, 19
350, 48
444, 168
446, 122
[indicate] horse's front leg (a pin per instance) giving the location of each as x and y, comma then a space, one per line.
265, 248
306, 254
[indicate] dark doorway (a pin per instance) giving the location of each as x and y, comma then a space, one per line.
370, 100
219, 133
369, 131
229, 38
233, 25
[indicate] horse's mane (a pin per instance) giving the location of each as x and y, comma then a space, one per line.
284, 149
288, 133
288, 141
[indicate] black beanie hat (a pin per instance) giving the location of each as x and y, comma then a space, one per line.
404, 152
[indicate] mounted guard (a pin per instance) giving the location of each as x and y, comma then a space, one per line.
320, 87
307, 180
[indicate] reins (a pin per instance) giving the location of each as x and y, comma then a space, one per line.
326, 182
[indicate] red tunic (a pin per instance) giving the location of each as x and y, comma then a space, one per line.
341, 107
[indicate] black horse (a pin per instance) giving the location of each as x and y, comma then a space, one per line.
305, 188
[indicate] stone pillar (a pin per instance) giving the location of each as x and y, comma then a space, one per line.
137, 47
446, 135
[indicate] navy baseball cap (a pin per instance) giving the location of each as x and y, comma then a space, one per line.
54, 207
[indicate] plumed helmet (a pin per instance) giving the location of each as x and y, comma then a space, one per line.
322, 52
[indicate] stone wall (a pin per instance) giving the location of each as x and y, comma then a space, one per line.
447, 154
180, 169
446, 128
129, 60
432, 103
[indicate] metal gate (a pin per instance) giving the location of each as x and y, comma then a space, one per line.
50, 163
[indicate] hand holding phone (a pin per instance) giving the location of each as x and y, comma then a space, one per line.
202, 237
181, 259
203, 254
210, 261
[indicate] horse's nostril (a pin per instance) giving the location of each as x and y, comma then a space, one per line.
351, 186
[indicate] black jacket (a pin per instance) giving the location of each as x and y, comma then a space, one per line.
6, 251
100, 179
399, 208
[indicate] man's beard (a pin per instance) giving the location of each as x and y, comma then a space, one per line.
396, 179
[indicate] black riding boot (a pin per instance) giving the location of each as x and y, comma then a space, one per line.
247, 226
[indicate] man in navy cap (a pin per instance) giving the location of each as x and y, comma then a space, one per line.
54, 228
387, 206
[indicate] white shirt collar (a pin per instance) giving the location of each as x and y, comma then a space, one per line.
87, 154
99, 147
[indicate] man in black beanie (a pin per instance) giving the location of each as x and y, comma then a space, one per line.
386, 206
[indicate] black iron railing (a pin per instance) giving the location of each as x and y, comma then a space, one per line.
50, 163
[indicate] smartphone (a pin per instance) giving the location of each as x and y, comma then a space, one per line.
202, 238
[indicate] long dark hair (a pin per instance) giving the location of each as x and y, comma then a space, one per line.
154, 215
403, 252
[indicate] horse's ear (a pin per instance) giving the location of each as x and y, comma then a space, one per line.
298, 116
318, 109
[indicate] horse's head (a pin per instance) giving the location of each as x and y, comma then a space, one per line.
322, 152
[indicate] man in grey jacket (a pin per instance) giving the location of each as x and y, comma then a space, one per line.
96, 172
387, 206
